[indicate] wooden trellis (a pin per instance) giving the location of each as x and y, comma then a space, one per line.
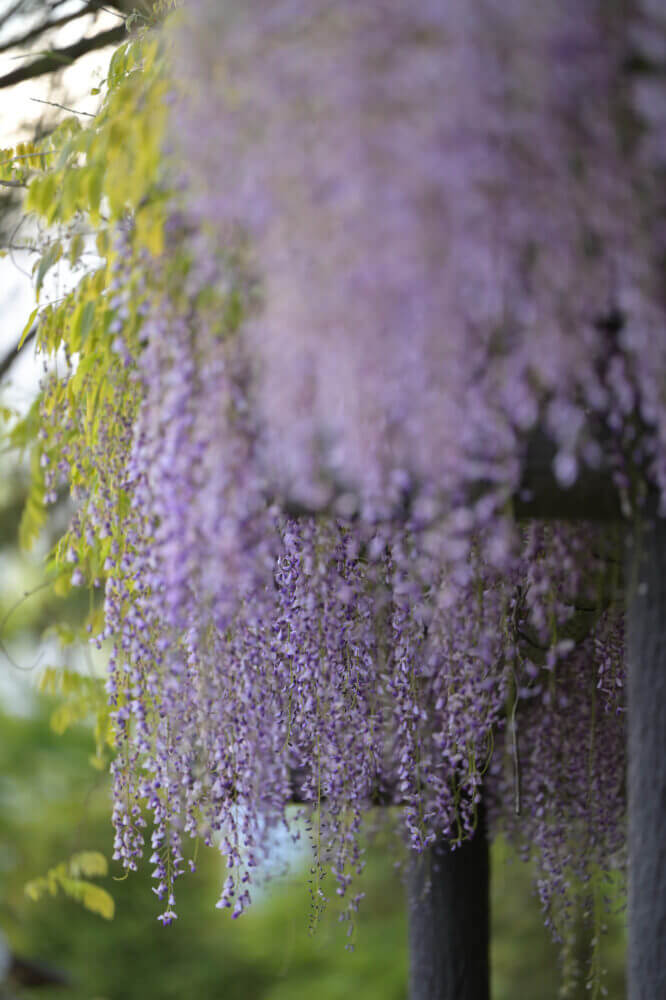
449, 927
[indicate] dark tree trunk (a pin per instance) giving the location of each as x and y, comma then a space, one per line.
449, 921
646, 665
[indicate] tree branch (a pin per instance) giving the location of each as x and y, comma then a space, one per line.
92, 7
51, 61
14, 353
11, 12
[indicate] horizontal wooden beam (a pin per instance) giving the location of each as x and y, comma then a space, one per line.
592, 497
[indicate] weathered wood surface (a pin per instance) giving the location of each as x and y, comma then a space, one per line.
646, 663
449, 921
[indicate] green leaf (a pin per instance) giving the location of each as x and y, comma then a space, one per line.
92, 402
65, 153
76, 248
28, 326
68, 714
51, 257
117, 65
82, 323
66, 878
32, 521
89, 864
62, 585
95, 186
25, 431
98, 900
35, 889
41, 193
102, 242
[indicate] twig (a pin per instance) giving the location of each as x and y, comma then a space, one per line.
10, 612
52, 60
54, 104
20, 246
531, 642
27, 156
514, 747
13, 184
92, 6
13, 234
12, 354
517, 608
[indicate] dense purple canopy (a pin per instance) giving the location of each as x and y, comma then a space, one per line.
443, 222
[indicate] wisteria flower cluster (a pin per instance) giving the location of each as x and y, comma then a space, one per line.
264, 657
455, 212
405, 237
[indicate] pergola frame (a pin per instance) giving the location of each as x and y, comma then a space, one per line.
449, 924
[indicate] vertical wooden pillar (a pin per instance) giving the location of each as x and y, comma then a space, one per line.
449, 921
646, 667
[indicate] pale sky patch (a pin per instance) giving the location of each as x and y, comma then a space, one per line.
19, 114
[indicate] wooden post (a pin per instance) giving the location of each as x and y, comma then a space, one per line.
646, 667
449, 921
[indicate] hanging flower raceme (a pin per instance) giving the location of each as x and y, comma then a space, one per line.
404, 239
442, 220
264, 659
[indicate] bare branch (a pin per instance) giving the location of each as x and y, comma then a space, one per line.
21, 246
91, 7
10, 13
51, 61
54, 104
14, 353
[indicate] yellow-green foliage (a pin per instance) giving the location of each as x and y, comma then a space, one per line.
16, 163
83, 699
72, 878
82, 180
113, 165
85, 181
